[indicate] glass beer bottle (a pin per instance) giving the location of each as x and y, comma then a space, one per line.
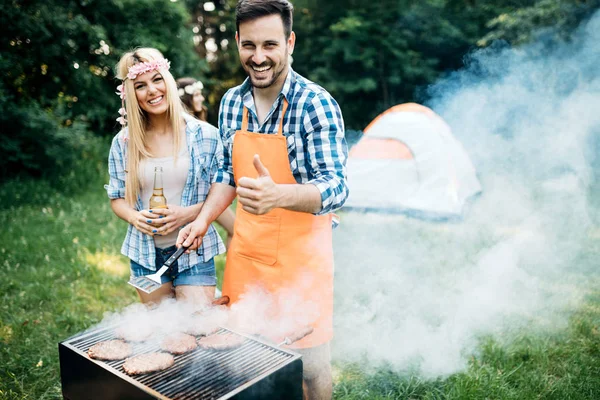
158, 199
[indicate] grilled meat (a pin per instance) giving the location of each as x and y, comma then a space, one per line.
150, 362
207, 322
133, 333
226, 341
110, 350
178, 343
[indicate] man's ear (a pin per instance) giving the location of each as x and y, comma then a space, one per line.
291, 42
237, 39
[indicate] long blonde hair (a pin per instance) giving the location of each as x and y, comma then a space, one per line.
137, 119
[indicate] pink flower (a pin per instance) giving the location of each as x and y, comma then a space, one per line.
121, 91
143, 67
122, 111
122, 121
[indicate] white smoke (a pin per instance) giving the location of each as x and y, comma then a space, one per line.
415, 294
270, 316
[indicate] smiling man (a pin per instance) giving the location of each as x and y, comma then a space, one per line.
285, 158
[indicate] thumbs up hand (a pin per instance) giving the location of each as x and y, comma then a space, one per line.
260, 195
260, 168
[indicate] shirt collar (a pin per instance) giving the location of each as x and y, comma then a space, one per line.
286, 90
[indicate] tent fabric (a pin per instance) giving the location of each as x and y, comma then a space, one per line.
409, 161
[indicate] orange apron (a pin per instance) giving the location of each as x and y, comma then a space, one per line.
285, 253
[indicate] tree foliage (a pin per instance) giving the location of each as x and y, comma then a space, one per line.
57, 57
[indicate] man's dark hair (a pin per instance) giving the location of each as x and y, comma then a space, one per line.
248, 10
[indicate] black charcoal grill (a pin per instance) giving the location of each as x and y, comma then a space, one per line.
255, 370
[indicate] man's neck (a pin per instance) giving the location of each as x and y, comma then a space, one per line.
264, 98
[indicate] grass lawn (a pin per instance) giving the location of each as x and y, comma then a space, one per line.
61, 271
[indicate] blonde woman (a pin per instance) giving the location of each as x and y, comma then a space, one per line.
157, 132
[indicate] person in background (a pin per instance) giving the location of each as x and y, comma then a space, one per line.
157, 132
285, 158
190, 93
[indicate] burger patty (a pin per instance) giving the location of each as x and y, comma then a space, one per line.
110, 350
226, 341
207, 322
150, 362
133, 333
178, 343
201, 329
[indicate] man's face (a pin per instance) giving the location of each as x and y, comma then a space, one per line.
264, 50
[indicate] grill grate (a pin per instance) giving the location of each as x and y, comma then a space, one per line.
200, 374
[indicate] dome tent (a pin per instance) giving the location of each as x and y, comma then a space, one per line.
408, 161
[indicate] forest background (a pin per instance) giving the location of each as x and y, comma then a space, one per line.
61, 270
57, 62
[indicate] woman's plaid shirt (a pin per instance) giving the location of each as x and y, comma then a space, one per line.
314, 130
205, 150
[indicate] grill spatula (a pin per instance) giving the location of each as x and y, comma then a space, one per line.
149, 283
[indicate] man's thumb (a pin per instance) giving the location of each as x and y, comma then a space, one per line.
260, 168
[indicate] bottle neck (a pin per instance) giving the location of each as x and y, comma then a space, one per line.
158, 181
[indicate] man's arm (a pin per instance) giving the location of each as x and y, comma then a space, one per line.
222, 190
323, 133
327, 150
219, 198
226, 220
261, 195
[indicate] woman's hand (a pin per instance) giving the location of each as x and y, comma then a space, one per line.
167, 220
144, 221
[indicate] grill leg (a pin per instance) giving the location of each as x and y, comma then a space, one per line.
283, 384
83, 379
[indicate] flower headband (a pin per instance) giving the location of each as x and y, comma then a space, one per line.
190, 89
132, 73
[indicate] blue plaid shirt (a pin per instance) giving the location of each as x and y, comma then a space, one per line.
205, 152
313, 127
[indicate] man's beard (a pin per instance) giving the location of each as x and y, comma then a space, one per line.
262, 84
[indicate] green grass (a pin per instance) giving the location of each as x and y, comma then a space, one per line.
565, 366
61, 271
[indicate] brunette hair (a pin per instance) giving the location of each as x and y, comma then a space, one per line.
248, 10
188, 99
137, 119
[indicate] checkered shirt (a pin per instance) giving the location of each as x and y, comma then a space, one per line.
205, 151
313, 127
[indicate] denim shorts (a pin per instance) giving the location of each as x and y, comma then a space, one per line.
202, 274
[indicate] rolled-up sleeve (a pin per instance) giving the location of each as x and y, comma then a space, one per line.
327, 151
116, 170
225, 170
215, 148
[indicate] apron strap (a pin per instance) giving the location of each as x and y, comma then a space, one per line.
285, 106
245, 118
